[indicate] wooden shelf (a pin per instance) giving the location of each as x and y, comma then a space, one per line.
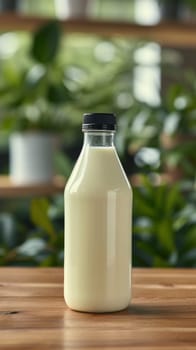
177, 34
8, 189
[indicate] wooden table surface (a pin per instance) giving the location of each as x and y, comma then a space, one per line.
33, 314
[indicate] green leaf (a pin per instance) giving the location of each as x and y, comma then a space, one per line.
32, 247
46, 43
63, 164
159, 199
165, 234
58, 93
173, 92
160, 262
174, 200
35, 78
142, 204
39, 216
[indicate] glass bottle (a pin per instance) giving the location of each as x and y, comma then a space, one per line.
98, 210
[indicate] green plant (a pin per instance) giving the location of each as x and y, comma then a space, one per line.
164, 227
164, 230
179, 109
15, 226
138, 127
39, 241
178, 134
52, 94
40, 116
37, 98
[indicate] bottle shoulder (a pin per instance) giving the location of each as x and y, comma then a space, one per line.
98, 169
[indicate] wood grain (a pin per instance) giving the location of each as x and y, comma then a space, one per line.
33, 314
177, 34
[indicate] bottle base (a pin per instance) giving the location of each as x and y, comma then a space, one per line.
98, 312
97, 309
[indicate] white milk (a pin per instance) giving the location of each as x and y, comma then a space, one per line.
97, 233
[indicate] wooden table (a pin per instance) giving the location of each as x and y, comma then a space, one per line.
33, 314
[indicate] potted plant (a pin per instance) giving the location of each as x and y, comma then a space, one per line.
33, 111
71, 8
33, 131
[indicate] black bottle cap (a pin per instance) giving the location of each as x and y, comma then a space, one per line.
99, 121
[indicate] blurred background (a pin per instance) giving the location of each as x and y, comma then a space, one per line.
137, 58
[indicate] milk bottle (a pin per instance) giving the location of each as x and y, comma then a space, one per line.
98, 205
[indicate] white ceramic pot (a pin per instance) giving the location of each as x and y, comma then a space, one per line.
71, 8
31, 157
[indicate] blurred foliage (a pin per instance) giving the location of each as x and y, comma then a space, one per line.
179, 108
164, 230
39, 241
46, 43
164, 227
36, 98
55, 81
178, 138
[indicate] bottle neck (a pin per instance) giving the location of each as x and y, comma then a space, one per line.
99, 138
